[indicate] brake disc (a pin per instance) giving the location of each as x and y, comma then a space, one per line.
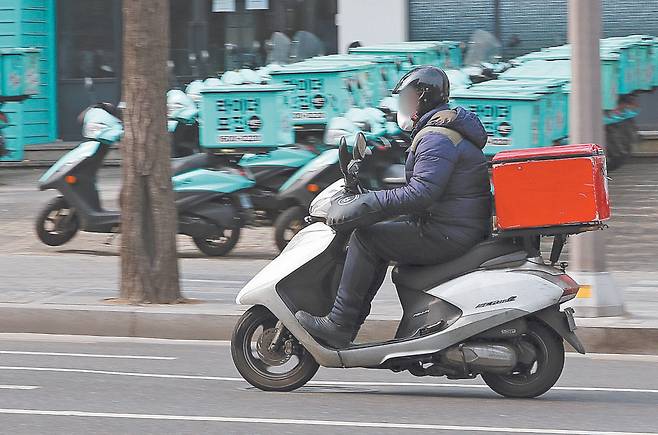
272, 358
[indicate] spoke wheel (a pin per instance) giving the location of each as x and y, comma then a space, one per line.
285, 368
57, 223
536, 376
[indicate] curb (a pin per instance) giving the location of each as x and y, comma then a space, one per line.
139, 322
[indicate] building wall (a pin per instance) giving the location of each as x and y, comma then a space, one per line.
536, 23
30, 23
371, 22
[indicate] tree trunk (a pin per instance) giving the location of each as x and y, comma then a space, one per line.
149, 265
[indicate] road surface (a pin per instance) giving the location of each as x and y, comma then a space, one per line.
85, 385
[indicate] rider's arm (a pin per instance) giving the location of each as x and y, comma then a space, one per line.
435, 159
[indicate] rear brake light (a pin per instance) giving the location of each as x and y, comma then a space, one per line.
569, 287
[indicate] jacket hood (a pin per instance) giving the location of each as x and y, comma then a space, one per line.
465, 122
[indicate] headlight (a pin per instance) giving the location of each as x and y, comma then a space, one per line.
91, 129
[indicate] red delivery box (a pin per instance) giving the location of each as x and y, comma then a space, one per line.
550, 187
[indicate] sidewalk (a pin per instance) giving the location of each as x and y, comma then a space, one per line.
56, 302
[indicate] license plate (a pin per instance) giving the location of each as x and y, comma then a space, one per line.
572, 323
245, 201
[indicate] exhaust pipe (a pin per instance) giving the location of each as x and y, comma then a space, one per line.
481, 357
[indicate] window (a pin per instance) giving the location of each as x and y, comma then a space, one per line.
88, 38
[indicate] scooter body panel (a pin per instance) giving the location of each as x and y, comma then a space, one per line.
490, 290
327, 158
304, 247
486, 298
291, 157
76, 155
222, 181
322, 171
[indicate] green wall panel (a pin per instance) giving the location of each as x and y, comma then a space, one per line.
31, 23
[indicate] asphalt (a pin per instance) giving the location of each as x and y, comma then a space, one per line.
64, 289
85, 385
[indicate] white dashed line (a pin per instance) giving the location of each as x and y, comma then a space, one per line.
309, 422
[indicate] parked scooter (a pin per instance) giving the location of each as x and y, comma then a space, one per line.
182, 123
495, 311
212, 206
383, 170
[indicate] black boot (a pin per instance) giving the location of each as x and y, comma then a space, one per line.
338, 327
378, 280
325, 329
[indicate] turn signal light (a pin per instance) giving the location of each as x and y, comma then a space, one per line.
71, 179
313, 188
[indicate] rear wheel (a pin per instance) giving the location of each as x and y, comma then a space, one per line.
220, 245
287, 224
57, 223
285, 368
532, 378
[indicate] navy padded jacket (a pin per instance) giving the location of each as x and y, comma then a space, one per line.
447, 188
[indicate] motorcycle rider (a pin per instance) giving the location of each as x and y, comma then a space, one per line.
445, 207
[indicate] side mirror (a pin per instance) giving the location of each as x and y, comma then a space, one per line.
343, 156
360, 147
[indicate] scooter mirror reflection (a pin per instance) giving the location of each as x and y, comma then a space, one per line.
360, 146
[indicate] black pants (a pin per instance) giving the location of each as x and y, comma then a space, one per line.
370, 251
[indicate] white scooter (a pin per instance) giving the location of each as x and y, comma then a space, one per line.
494, 311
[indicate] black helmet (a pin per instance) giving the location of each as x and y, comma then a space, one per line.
431, 82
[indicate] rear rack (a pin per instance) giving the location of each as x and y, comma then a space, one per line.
530, 237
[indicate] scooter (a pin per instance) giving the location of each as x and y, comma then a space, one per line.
211, 204
494, 312
383, 170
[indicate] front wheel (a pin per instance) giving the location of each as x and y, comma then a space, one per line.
287, 224
285, 368
57, 223
218, 246
532, 378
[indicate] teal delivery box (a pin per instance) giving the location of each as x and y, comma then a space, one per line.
245, 116
322, 91
514, 119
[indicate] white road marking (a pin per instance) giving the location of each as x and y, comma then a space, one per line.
614, 356
308, 422
318, 382
18, 387
94, 339
215, 281
86, 355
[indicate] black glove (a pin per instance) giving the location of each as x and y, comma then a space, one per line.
348, 212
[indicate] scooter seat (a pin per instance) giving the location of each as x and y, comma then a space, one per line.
180, 165
422, 278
